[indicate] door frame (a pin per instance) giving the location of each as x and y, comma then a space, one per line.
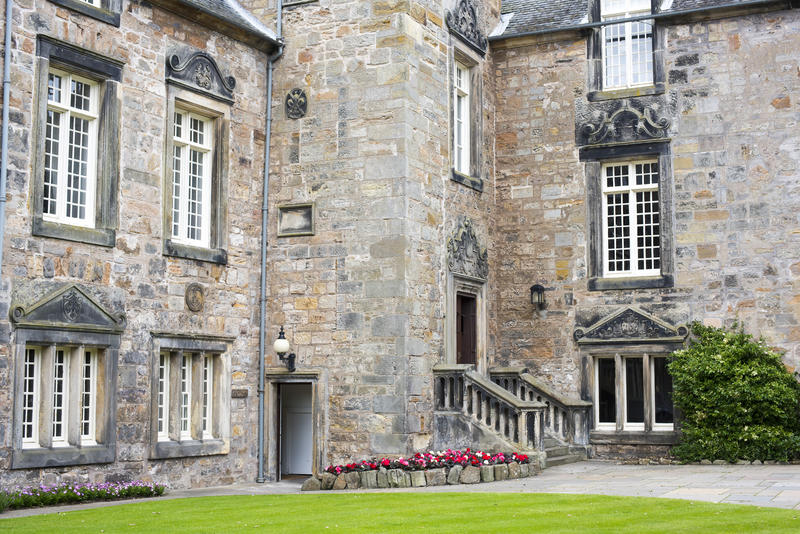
458, 283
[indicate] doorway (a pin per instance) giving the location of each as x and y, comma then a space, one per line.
466, 328
296, 429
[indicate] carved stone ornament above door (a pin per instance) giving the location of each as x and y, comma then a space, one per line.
463, 22
465, 255
199, 72
68, 308
631, 325
630, 122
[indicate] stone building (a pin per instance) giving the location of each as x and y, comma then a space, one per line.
488, 224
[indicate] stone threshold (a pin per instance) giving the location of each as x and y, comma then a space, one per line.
399, 478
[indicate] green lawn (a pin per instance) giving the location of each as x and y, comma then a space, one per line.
415, 512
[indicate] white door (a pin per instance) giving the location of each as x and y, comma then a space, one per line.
296, 429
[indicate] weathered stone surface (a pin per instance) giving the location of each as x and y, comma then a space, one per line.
311, 484
418, 479
454, 475
340, 483
327, 480
436, 477
524, 470
353, 479
397, 478
487, 473
369, 479
513, 470
470, 475
382, 478
501, 472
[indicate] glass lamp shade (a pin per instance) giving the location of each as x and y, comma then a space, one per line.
281, 345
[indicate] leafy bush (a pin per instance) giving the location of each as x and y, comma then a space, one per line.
738, 399
65, 493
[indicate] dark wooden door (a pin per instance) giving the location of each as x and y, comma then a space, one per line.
466, 325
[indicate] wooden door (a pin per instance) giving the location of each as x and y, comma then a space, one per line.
466, 328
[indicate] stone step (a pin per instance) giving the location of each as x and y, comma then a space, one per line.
562, 460
561, 450
552, 442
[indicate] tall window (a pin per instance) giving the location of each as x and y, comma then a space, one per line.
208, 394
191, 178
461, 116
70, 149
631, 221
163, 396
30, 399
88, 395
60, 392
628, 46
186, 397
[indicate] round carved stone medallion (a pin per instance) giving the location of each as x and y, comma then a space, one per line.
195, 298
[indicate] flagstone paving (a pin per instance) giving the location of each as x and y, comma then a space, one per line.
761, 485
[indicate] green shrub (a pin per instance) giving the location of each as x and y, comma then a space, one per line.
738, 399
66, 493
5, 501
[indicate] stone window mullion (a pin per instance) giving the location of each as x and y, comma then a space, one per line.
46, 396
196, 418
619, 378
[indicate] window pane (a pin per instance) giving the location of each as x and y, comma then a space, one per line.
80, 96
615, 61
606, 395
196, 131
178, 125
641, 52
77, 167
29, 394
195, 193
662, 393
59, 395
186, 395
618, 232
87, 395
208, 377
53, 87
176, 190
51, 148
647, 230
634, 390
163, 393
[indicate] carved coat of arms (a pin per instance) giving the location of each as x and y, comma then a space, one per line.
71, 305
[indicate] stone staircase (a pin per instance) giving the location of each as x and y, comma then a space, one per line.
508, 410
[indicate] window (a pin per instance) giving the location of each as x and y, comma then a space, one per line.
107, 11
192, 144
628, 46
75, 179
461, 113
191, 409
628, 399
631, 224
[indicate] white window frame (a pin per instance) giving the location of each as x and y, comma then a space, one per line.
631, 189
63, 107
60, 413
208, 396
185, 410
182, 140
628, 425
461, 118
621, 9
88, 437
162, 414
597, 424
32, 362
658, 427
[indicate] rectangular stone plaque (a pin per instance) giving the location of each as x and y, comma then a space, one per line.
238, 393
296, 219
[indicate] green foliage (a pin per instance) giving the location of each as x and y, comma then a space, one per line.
5, 501
738, 399
65, 493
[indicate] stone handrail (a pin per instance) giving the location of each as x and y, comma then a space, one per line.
566, 418
458, 388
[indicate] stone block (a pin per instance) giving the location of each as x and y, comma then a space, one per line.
524, 470
353, 480
369, 479
327, 480
487, 473
470, 475
454, 475
389, 404
513, 470
382, 478
311, 484
436, 477
396, 478
418, 479
340, 483
501, 472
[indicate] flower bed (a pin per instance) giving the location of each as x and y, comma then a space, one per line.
65, 493
424, 469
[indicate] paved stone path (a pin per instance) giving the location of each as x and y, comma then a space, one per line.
760, 485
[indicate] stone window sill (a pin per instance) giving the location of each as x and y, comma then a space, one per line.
655, 437
614, 94
211, 255
472, 182
648, 282
181, 449
105, 237
103, 15
62, 456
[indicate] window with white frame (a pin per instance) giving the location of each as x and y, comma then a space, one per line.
631, 219
461, 118
70, 149
628, 398
71, 419
163, 397
627, 46
192, 147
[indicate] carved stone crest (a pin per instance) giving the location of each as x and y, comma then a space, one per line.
626, 123
71, 304
296, 104
631, 325
198, 71
195, 298
463, 22
465, 255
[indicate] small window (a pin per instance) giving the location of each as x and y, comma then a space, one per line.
605, 393
663, 411
107, 11
461, 116
628, 46
163, 397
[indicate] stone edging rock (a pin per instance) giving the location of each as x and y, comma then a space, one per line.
399, 478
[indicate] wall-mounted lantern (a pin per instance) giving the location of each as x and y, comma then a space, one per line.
281, 347
537, 296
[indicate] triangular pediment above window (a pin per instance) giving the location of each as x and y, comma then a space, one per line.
68, 308
631, 325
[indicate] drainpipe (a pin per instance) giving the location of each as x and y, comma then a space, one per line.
264, 220
4, 146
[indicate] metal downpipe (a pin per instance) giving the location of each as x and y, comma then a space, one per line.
4, 145
264, 221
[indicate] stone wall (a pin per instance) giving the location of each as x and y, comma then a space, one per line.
134, 276
733, 89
